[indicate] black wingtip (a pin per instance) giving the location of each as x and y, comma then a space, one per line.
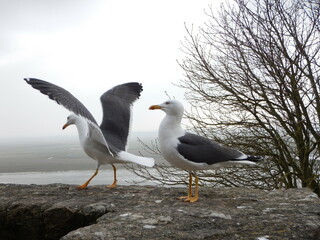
140, 89
30, 80
135, 87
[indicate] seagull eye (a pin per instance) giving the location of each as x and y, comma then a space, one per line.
167, 103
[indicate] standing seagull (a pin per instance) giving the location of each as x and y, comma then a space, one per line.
191, 152
105, 144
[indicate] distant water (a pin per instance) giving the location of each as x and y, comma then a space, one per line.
105, 177
62, 160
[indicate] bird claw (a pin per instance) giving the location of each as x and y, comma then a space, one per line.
183, 197
81, 187
189, 198
113, 185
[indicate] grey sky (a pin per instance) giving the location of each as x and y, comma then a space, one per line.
88, 47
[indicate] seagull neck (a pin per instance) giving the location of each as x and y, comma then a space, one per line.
170, 126
82, 127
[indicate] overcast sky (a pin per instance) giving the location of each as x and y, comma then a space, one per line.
87, 47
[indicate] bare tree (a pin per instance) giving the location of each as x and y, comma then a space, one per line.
252, 78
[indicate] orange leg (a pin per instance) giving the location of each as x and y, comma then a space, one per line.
196, 194
83, 186
189, 189
190, 197
114, 184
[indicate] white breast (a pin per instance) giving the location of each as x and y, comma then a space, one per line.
169, 132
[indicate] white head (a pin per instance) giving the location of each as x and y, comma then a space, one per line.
71, 119
170, 107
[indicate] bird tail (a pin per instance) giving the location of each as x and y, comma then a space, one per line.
247, 159
128, 157
254, 159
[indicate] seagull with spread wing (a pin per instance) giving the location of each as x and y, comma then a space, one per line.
106, 143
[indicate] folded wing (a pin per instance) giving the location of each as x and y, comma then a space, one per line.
202, 150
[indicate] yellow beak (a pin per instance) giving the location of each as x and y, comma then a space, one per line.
64, 126
153, 107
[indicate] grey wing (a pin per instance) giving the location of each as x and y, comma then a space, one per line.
62, 97
202, 150
116, 106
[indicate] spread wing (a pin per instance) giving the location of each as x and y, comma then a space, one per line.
62, 97
67, 100
116, 106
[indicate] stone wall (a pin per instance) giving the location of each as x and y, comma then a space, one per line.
60, 211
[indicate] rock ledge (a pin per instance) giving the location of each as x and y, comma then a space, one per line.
59, 211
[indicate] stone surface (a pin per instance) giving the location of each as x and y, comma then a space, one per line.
60, 211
